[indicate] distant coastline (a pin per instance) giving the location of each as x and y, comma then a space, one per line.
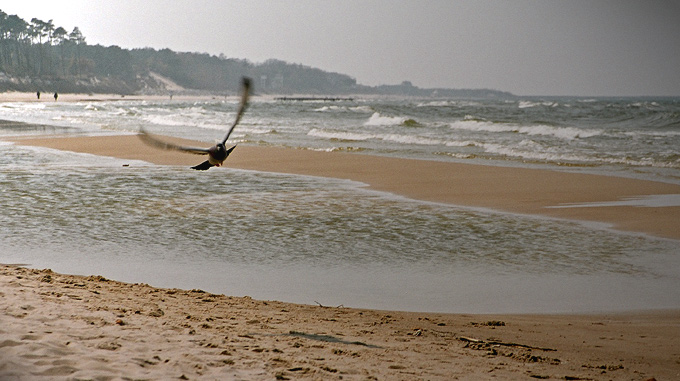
153, 83
38, 56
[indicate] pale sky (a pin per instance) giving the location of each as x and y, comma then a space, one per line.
527, 47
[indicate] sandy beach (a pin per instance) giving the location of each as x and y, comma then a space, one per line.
13, 96
56, 326
72, 327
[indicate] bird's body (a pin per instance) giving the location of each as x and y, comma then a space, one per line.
217, 153
216, 156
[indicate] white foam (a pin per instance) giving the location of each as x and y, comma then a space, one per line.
378, 120
162, 120
357, 109
650, 201
409, 139
395, 138
340, 135
470, 124
529, 150
435, 104
653, 133
568, 133
256, 131
50, 157
361, 109
529, 104
192, 120
327, 108
463, 143
449, 103
23, 105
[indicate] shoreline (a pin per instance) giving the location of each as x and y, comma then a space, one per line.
539, 192
14, 96
57, 326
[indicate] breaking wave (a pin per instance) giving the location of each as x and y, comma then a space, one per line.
394, 138
529, 104
529, 150
357, 109
567, 133
378, 120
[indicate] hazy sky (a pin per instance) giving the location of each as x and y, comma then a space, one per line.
522, 46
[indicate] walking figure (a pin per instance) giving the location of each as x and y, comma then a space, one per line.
56, 96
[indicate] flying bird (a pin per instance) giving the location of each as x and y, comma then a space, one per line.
217, 153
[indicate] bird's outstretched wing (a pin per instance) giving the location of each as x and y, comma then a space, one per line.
155, 142
245, 92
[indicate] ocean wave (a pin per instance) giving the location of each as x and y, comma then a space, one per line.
328, 108
255, 130
378, 120
652, 133
337, 149
43, 158
530, 104
409, 139
394, 138
449, 103
463, 143
529, 150
23, 106
361, 109
162, 120
358, 109
644, 105
338, 135
435, 104
187, 120
568, 133
527, 153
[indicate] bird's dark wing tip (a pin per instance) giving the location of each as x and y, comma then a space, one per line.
203, 166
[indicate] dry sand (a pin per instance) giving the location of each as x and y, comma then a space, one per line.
57, 327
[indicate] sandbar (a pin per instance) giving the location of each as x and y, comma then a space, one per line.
506, 189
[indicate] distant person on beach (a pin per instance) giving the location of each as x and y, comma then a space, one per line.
56, 96
38, 94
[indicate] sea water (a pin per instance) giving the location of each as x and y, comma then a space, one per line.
333, 242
